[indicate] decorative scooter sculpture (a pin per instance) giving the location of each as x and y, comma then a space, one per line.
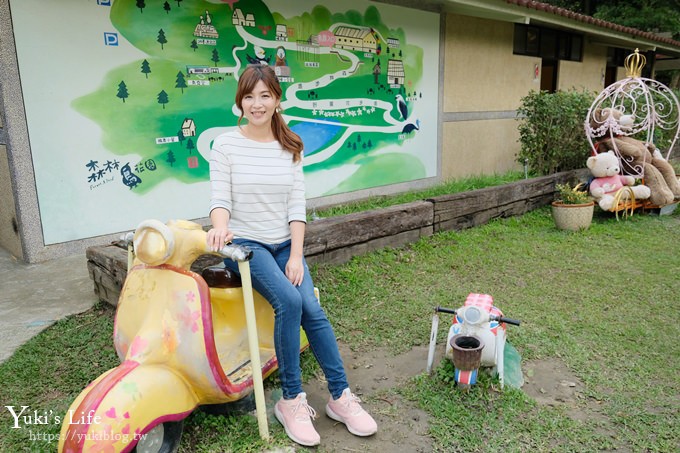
476, 338
184, 340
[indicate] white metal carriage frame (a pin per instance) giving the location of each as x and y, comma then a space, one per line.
653, 106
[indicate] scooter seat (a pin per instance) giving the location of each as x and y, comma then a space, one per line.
220, 277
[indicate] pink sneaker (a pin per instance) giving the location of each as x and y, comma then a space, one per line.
296, 417
347, 410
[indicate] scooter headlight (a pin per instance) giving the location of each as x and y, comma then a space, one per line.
472, 315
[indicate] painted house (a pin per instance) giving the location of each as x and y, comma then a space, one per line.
206, 31
395, 72
188, 127
281, 32
355, 38
238, 18
489, 54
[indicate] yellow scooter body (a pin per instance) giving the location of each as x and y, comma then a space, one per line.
181, 344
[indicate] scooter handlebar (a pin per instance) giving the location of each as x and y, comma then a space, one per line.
514, 322
127, 238
236, 252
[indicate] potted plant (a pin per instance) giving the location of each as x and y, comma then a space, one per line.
573, 209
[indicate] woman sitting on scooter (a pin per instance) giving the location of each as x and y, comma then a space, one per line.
258, 200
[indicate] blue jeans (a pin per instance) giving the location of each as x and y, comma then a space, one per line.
294, 307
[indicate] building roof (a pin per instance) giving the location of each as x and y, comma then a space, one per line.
395, 67
539, 13
352, 32
539, 6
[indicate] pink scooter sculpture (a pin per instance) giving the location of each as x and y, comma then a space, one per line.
476, 338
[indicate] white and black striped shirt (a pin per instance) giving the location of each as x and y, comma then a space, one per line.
260, 186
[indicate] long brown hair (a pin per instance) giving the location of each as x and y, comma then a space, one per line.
289, 140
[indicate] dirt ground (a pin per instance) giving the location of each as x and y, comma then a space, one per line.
401, 425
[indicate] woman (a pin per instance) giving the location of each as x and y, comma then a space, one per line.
258, 200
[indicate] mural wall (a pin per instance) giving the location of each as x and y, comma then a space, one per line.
124, 97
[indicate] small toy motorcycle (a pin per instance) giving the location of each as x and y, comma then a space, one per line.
476, 338
182, 340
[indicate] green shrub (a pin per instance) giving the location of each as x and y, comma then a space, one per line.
551, 131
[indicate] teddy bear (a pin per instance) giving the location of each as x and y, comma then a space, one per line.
608, 181
637, 156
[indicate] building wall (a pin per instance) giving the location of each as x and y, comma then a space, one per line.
587, 74
481, 73
9, 227
621, 73
11, 107
483, 85
479, 147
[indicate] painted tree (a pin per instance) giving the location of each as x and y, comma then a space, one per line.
180, 136
146, 68
190, 145
194, 45
161, 38
122, 91
171, 158
166, 7
215, 56
178, 2
163, 98
141, 5
180, 82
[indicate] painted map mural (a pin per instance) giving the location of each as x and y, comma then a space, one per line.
124, 98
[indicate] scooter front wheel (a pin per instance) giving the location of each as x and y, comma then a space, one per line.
164, 438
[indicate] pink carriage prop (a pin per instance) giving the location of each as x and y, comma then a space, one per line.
647, 111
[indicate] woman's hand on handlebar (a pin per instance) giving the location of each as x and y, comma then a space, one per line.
218, 237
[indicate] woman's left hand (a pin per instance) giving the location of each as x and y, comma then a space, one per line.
295, 270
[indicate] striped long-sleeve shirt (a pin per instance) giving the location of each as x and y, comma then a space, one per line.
260, 186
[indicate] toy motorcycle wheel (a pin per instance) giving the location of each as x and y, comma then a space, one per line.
164, 438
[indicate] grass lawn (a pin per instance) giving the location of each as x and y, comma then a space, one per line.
601, 301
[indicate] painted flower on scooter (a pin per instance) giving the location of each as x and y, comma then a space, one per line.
131, 389
119, 419
104, 443
169, 334
138, 345
190, 319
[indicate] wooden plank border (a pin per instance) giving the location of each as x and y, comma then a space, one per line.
337, 239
